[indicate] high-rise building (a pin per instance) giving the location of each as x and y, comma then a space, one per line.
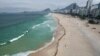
99, 6
89, 4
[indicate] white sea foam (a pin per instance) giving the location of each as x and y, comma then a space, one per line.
40, 24
26, 32
5, 55
48, 23
51, 28
48, 15
14, 39
29, 52
3, 43
21, 54
36, 26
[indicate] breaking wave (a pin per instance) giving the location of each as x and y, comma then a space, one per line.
14, 39
48, 23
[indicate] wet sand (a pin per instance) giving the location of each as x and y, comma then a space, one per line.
73, 37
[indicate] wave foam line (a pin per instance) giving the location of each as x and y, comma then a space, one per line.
29, 52
14, 39
51, 28
3, 43
36, 26
48, 15
40, 24
48, 22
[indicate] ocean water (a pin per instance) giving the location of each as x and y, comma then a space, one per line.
21, 33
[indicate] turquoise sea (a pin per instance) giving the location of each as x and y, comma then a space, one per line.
21, 33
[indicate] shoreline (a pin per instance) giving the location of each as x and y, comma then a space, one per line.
72, 37
53, 43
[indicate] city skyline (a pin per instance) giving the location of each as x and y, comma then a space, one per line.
36, 5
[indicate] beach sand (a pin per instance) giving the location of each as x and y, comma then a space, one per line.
73, 37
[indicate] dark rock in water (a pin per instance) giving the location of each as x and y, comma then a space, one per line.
93, 22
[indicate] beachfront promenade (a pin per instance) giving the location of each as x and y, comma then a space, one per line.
73, 37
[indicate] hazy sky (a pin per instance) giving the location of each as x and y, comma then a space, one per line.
34, 5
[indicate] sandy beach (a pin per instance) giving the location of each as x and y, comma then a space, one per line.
73, 37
